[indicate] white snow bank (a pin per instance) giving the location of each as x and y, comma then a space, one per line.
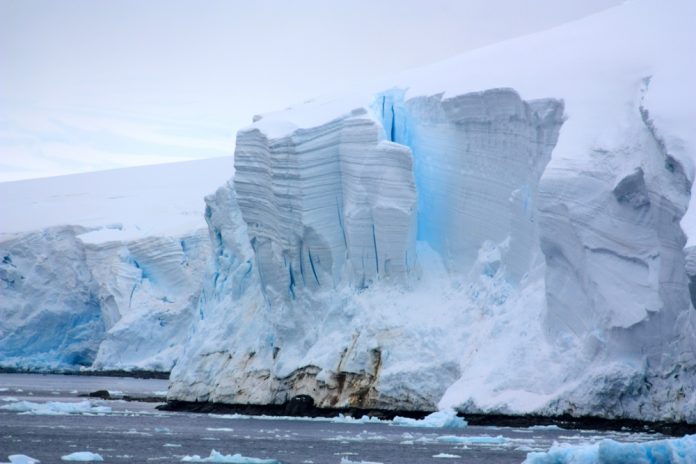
82, 456
228, 458
55, 408
21, 459
447, 418
673, 451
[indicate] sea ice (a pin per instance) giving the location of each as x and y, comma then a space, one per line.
476, 440
82, 456
670, 451
21, 459
447, 418
228, 458
55, 408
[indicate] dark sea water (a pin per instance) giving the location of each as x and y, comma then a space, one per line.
136, 432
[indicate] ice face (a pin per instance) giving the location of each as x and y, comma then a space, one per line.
113, 305
459, 145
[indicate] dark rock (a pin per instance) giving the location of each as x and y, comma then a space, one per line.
300, 405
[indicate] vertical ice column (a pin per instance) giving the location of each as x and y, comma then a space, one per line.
326, 204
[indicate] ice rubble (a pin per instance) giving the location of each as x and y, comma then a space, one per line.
499, 232
115, 289
55, 408
228, 458
674, 451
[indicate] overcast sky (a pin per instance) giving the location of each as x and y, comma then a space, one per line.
89, 85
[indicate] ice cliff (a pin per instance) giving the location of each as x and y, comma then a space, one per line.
499, 232
117, 289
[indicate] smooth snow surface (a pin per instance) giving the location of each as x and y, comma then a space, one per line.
672, 451
82, 456
431, 240
228, 458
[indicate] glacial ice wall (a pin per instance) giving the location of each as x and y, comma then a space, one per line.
478, 160
329, 214
116, 305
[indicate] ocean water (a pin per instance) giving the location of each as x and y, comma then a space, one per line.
44, 417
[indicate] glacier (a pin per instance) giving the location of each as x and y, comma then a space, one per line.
509, 231
502, 232
102, 270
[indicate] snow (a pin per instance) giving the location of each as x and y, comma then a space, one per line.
674, 451
119, 204
228, 458
429, 240
55, 408
82, 456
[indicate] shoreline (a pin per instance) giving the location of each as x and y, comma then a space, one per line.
301, 407
136, 374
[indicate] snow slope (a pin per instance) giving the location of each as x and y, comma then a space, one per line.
103, 269
499, 232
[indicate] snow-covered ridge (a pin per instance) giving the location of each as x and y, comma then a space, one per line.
544, 271
118, 287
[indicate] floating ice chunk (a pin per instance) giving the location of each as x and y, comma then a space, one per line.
475, 440
447, 418
219, 429
55, 408
545, 427
228, 458
21, 459
673, 451
348, 461
341, 419
82, 456
172, 445
447, 456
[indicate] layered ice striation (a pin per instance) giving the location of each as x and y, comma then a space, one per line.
460, 144
332, 203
